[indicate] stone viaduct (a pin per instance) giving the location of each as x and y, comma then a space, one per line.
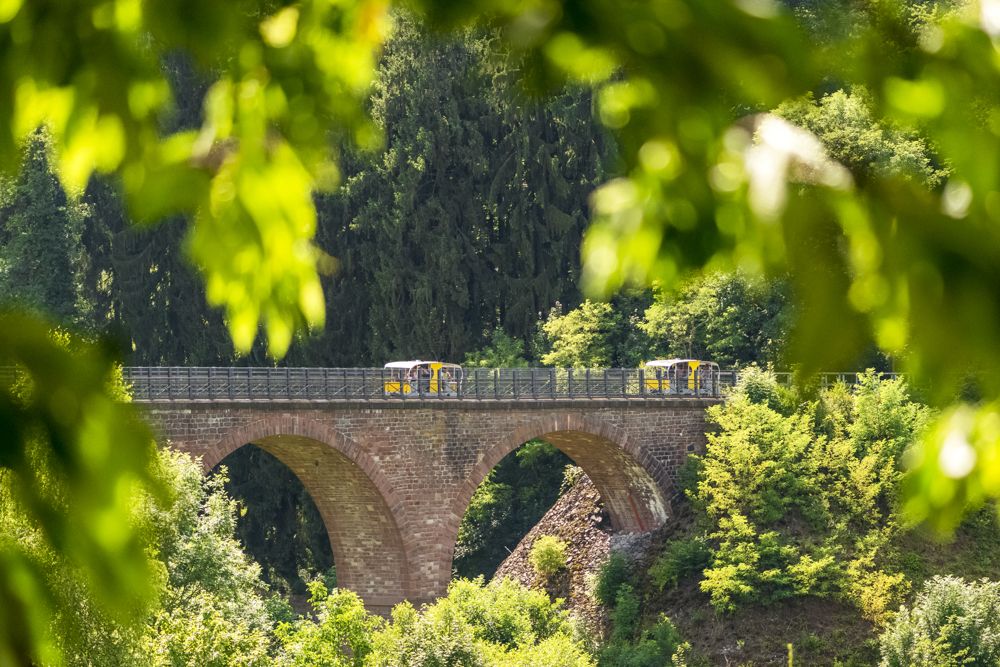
392, 477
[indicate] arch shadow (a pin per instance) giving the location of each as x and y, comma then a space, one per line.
634, 486
358, 506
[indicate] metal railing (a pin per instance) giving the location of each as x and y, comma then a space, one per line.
827, 379
182, 383
160, 384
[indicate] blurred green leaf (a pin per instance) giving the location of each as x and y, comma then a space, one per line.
74, 455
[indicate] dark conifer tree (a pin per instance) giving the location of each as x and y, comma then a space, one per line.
150, 294
41, 260
547, 158
427, 213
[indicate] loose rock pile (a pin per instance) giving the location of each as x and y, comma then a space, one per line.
578, 518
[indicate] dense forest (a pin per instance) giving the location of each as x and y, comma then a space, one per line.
460, 239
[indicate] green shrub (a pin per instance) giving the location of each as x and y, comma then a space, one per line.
688, 475
659, 645
505, 612
626, 615
952, 622
338, 633
571, 475
761, 386
548, 555
500, 624
615, 572
679, 559
814, 576
279, 609
876, 592
557, 651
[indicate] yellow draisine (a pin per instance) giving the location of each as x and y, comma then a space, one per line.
680, 376
426, 378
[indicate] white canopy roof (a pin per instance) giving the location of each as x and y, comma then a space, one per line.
417, 362
403, 364
663, 363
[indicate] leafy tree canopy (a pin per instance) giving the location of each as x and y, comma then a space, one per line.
727, 318
802, 499
501, 351
479, 625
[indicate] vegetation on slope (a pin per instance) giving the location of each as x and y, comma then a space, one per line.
793, 533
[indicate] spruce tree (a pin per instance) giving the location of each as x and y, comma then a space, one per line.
428, 215
40, 253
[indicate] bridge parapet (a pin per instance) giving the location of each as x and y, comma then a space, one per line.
162, 384
182, 383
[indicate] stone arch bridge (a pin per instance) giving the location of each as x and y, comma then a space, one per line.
392, 476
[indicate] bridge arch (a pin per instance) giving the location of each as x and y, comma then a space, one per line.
358, 505
633, 484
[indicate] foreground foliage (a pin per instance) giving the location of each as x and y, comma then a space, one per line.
204, 604
73, 534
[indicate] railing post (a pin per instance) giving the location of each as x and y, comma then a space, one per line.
552, 383
569, 382
587, 378
496, 383
624, 384
642, 382
515, 391
364, 383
